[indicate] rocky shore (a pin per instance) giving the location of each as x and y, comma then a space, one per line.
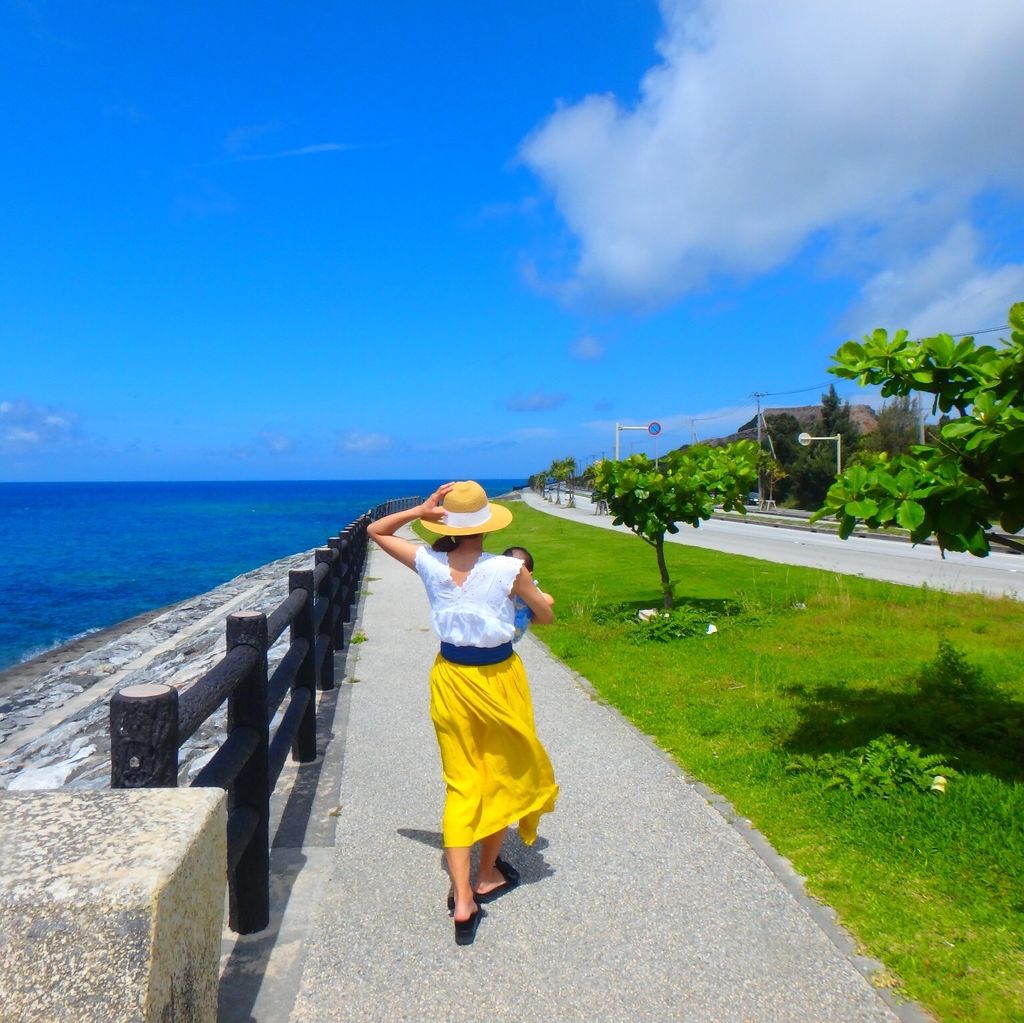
54, 708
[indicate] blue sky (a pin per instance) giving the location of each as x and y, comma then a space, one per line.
360, 240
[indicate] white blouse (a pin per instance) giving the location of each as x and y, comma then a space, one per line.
479, 613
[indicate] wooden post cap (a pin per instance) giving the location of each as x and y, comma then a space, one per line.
145, 690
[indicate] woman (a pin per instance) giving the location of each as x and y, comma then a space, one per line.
495, 770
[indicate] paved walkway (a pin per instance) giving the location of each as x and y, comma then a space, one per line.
641, 901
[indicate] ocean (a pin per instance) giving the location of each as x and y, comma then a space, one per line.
77, 557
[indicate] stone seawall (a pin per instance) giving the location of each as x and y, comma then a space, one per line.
54, 710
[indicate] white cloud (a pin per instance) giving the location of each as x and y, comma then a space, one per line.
537, 402
276, 443
207, 199
768, 124
25, 426
313, 150
587, 348
240, 139
355, 442
944, 289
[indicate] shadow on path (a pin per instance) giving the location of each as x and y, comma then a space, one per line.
300, 825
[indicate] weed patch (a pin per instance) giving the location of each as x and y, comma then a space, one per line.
883, 767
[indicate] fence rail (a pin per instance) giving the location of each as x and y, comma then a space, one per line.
149, 723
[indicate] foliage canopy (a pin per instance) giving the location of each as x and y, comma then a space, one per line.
684, 487
972, 476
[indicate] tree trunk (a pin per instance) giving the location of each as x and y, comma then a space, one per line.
666, 583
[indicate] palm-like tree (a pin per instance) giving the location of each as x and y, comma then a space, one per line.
563, 470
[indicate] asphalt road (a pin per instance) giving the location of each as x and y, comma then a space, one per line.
890, 560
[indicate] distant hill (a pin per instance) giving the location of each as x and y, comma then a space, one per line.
807, 415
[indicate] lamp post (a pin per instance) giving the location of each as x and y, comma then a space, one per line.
805, 438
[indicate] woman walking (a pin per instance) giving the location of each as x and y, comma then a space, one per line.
495, 770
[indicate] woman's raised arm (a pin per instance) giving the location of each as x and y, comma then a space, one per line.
382, 531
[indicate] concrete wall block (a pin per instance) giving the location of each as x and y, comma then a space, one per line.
111, 905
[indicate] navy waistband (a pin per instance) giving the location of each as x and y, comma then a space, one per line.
476, 655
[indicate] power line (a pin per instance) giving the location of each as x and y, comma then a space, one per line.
805, 390
802, 390
987, 330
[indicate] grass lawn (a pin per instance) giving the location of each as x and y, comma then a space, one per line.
807, 663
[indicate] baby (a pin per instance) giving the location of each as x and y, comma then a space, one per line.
523, 614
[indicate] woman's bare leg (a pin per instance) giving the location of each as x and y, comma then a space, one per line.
489, 877
458, 868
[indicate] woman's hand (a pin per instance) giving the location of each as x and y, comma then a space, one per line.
382, 532
431, 509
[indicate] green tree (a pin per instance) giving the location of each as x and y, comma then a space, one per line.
836, 418
972, 474
783, 429
563, 470
772, 473
897, 427
813, 472
683, 488
813, 469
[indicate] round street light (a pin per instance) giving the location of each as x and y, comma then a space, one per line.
805, 438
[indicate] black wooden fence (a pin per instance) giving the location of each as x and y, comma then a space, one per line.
149, 723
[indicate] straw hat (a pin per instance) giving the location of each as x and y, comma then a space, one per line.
468, 512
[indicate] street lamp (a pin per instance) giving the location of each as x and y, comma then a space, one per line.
805, 438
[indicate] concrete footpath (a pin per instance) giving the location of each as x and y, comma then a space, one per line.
643, 900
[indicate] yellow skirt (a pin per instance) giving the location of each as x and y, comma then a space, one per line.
496, 772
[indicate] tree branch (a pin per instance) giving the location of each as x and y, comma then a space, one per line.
1005, 541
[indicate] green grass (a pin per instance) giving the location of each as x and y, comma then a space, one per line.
808, 663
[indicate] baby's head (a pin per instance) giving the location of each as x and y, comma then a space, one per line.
522, 554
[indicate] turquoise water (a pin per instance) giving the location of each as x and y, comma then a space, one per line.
75, 557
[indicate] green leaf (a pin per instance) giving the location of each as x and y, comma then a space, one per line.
954, 518
862, 509
1012, 521
910, 515
1017, 316
976, 542
1013, 442
959, 427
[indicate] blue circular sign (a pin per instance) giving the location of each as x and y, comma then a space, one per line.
654, 429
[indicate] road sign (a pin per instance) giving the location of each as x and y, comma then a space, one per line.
654, 429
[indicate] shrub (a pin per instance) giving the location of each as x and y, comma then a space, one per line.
881, 767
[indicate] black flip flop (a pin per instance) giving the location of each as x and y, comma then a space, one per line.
511, 876
465, 930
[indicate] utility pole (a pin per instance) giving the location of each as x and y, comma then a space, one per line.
760, 476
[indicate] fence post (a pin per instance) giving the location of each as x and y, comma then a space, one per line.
347, 554
249, 886
144, 737
337, 544
325, 665
304, 746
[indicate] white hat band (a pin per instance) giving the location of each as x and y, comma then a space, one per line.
472, 518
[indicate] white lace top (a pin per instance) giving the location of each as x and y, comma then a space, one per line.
480, 612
